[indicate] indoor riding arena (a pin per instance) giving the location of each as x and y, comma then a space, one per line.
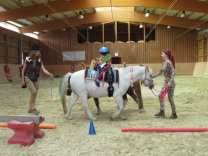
145, 62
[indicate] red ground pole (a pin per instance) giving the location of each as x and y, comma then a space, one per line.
164, 129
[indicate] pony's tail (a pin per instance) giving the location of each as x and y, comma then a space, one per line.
63, 87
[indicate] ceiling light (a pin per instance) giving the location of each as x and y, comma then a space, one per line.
141, 25
63, 29
90, 26
80, 15
168, 26
147, 14
47, 18
183, 14
21, 2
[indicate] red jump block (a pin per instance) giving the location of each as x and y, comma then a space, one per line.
37, 132
24, 133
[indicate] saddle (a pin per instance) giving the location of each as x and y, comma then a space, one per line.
93, 74
112, 76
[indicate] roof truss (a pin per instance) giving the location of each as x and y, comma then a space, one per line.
123, 16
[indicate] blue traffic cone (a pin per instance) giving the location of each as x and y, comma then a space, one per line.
92, 129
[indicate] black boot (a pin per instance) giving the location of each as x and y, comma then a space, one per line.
173, 116
160, 114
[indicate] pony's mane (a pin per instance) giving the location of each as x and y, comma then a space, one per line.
127, 69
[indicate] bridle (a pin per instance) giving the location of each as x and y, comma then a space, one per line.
145, 77
150, 81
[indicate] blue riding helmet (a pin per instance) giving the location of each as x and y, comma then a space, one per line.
104, 50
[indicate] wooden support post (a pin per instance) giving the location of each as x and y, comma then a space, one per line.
103, 32
20, 48
87, 33
116, 33
128, 31
144, 31
204, 52
206, 49
6, 40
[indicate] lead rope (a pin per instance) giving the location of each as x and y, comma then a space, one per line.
51, 79
161, 92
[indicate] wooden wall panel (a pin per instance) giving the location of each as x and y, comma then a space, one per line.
200, 52
199, 68
200, 59
184, 48
181, 68
205, 71
9, 45
200, 44
14, 71
206, 53
140, 52
1, 37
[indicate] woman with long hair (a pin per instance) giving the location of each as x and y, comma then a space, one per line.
30, 74
168, 68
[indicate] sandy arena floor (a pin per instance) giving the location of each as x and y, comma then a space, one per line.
71, 136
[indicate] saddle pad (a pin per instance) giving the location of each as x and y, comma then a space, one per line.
93, 74
115, 75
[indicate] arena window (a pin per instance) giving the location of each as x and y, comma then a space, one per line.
136, 33
151, 36
83, 32
122, 29
109, 37
95, 34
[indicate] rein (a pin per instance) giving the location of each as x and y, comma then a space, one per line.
151, 81
155, 90
161, 92
145, 78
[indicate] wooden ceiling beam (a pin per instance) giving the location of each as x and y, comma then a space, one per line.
92, 24
63, 6
123, 16
17, 3
35, 3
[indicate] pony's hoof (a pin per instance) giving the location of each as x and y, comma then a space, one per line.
69, 117
141, 110
98, 113
123, 118
111, 118
94, 119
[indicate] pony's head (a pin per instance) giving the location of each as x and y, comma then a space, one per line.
148, 80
